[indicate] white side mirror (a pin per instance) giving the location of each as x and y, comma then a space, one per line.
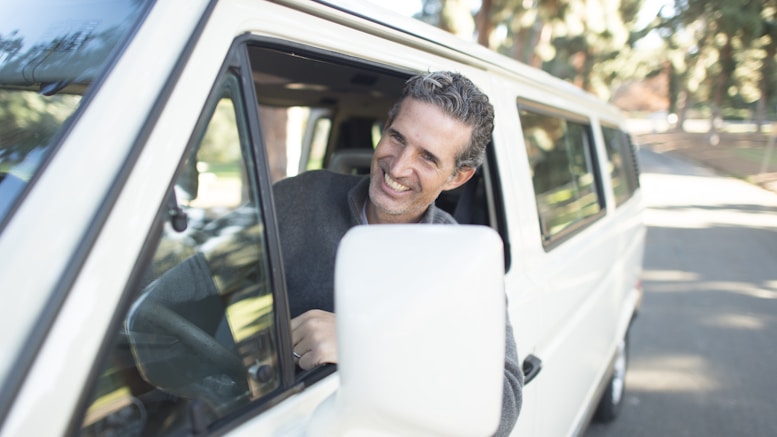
421, 332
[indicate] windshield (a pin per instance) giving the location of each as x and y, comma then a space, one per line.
51, 51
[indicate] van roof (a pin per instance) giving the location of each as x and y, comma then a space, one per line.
373, 18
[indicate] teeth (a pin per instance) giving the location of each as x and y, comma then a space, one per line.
393, 184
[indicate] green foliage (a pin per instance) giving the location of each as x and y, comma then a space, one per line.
221, 142
717, 54
723, 54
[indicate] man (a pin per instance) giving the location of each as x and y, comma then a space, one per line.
434, 140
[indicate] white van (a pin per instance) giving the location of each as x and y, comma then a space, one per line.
139, 141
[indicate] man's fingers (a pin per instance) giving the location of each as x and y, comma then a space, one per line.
308, 361
314, 338
308, 317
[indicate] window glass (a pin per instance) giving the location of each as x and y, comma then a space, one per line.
565, 185
617, 146
631, 163
50, 54
198, 341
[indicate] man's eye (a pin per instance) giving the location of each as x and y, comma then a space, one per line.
429, 157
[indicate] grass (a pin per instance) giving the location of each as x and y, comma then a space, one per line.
756, 155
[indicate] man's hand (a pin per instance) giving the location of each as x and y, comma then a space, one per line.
314, 337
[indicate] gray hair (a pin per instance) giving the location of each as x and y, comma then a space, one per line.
462, 100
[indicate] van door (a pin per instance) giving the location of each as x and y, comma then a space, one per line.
561, 301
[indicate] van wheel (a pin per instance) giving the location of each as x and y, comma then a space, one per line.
612, 398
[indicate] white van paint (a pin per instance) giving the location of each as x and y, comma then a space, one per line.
571, 297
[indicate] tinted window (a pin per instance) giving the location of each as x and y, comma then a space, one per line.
198, 341
563, 172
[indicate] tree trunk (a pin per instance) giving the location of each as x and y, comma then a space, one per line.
484, 23
682, 110
720, 86
765, 86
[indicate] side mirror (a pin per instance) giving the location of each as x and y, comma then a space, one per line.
421, 332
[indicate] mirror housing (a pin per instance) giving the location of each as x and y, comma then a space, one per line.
421, 332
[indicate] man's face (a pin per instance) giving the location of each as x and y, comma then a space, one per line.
415, 161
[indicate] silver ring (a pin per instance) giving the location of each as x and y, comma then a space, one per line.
296, 355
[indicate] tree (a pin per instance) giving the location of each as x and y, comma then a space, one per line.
719, 54
582, 41
767, 81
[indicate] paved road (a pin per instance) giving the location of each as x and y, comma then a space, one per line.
704, 348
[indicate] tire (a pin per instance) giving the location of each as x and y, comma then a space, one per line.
612, 398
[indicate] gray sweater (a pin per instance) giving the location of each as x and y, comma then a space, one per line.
314, 211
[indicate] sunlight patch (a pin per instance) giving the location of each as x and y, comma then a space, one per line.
676, 373
741, 288
669, 275
736, 321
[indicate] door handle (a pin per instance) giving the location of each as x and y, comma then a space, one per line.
531, 368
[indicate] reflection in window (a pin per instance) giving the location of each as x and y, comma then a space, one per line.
50, 55
28, 123
198, 341
560, 156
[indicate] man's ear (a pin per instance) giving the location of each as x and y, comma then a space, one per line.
462, 175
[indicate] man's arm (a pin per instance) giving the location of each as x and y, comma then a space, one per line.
512, 396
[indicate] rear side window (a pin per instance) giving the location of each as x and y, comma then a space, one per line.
566, 185
622, 158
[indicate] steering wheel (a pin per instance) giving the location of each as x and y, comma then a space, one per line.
192, 336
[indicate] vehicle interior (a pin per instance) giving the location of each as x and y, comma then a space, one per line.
345, 106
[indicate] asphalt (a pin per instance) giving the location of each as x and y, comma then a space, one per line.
748, 156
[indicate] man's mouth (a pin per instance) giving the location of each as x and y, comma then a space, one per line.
394, 185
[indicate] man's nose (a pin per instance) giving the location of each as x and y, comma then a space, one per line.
402, 165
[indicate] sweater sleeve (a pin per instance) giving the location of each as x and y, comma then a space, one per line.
512, 396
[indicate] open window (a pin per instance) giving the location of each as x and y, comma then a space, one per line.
330, 111
334, 109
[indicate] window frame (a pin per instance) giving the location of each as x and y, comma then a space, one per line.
495, 201
263, 180
550, 242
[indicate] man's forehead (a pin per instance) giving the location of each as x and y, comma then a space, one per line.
404, 124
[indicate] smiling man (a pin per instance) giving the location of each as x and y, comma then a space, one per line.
414, 161
434, 140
